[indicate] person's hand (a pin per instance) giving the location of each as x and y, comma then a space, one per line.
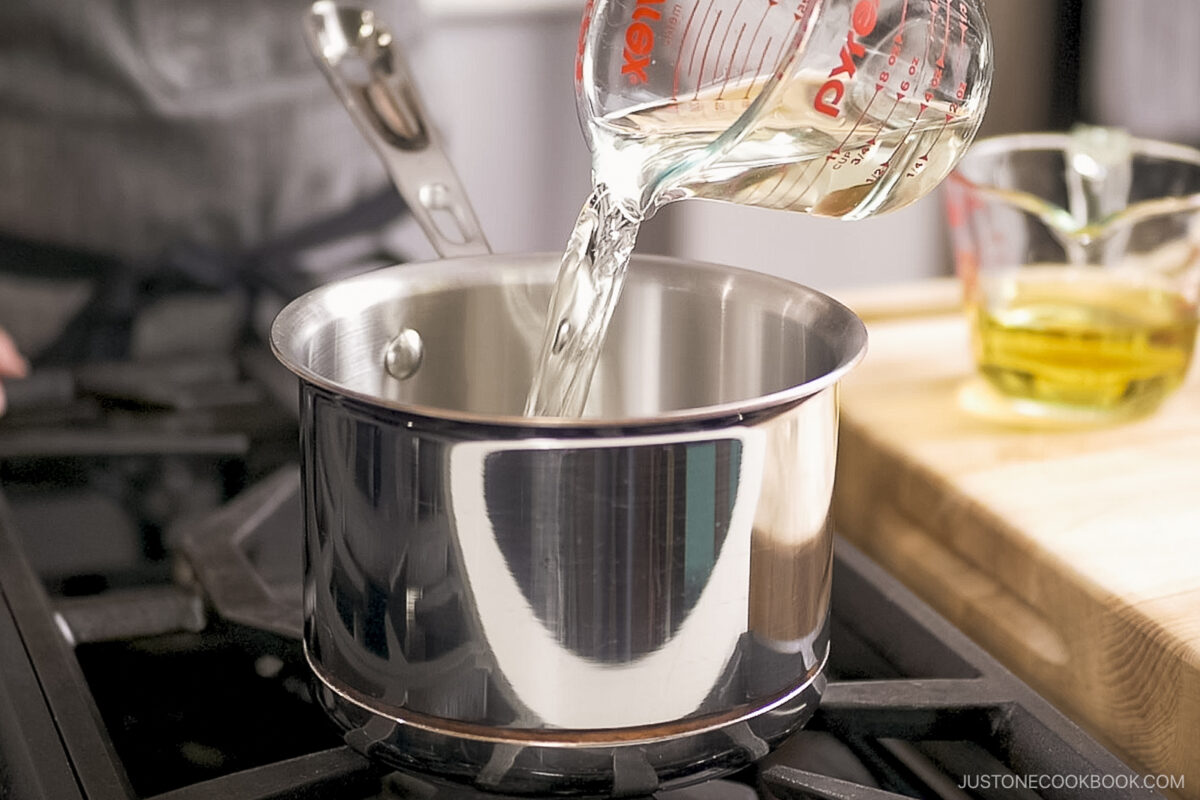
11, 364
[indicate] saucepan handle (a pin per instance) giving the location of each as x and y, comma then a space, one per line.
365, 67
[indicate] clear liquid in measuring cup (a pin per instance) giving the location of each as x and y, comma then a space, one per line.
882, 153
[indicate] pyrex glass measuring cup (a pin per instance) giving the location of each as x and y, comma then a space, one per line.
1080, 257
841, 108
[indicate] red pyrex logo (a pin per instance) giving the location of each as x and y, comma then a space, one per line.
639, 40
862, 23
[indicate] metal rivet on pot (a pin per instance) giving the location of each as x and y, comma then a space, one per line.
404, 354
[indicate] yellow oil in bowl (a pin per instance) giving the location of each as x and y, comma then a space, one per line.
1083, 339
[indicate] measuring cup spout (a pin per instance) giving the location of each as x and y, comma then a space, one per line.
1095, 194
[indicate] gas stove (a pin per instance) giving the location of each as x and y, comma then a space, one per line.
150, 615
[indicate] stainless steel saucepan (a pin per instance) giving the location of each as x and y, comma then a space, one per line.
634, 599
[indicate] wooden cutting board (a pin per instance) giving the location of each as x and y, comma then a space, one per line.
1073, 556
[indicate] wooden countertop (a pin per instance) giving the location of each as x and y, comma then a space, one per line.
1073, 556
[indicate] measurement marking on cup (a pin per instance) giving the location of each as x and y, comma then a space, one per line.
925, 158
704, 58
672, 24
696, 44
724, 41
782, 45
912, 127
800, 17
928, 45
935, 82
754, 38
903, 20
679, 55
762, 60
883, 125
787, 37
961, 65
782, 176
729, 66
861, 117
882, 169
941, 62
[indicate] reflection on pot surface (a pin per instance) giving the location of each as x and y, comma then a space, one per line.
604, 605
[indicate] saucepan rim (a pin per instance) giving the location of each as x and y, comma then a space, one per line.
294, 326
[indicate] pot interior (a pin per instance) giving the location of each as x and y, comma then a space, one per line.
685, 336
